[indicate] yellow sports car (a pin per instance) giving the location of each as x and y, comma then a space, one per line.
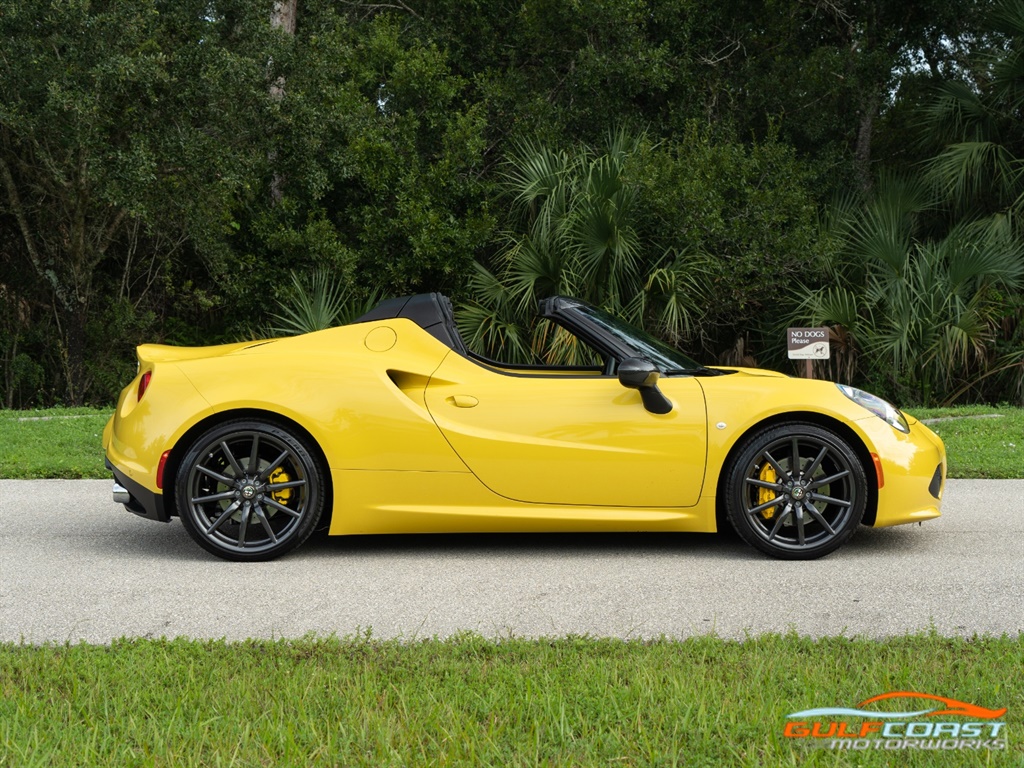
391, 424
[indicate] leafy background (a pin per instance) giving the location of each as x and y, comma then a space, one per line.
201, 171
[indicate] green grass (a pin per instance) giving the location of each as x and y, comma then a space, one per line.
977, 446
52, 443
474, 702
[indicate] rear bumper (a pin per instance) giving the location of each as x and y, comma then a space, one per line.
142, 501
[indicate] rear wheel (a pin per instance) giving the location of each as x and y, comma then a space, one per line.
796, 491
249, 490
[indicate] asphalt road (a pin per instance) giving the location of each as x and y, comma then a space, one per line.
75, 566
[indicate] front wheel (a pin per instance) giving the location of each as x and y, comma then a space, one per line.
796, 491
249, 490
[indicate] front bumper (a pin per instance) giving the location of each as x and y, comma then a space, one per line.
142, 501
914, 470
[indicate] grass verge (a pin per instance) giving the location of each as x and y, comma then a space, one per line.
52, 443
979, 446
471, 701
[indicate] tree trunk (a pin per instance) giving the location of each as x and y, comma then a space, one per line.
10, 354
283, 17
71, 322
862, 153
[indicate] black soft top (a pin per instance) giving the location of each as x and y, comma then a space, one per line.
430, 311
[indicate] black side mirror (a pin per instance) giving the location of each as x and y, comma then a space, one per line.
640, 374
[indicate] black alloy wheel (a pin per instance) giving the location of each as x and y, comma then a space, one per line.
796, 491
249, 490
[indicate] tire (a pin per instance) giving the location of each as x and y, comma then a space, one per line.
817, 507
249, 490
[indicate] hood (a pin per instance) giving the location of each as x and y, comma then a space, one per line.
749, 371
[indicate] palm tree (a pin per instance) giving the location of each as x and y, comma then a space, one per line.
923, 309
980, 122
574, 215
316, 302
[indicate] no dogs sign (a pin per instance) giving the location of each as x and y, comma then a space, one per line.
807, 343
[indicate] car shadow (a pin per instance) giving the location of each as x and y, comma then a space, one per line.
725, 544
890, 541
690, 545
171, 542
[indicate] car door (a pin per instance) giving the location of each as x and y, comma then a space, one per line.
571, 438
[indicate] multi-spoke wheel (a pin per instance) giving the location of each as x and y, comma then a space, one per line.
796, 491
249, 490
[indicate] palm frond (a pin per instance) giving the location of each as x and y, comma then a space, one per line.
881, 235
957, 113
317, 302
676, 294
835, 305
973, 169
489, 332
982, 253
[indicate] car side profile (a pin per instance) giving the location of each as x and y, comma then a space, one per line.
391, 424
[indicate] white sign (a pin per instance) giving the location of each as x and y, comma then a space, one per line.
807, 343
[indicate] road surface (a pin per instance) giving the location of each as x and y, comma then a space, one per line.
75, 566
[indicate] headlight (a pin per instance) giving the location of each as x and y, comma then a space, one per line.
883, 409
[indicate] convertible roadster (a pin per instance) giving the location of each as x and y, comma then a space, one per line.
391, 424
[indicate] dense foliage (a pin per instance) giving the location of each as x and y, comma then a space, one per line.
191, 171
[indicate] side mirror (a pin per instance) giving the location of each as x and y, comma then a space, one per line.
640, 374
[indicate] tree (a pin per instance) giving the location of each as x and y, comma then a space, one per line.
377, 165
975, 123
119, 119
832, 77
978, 122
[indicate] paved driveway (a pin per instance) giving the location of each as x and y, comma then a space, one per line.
75, 566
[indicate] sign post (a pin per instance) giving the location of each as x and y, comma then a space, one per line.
807, 344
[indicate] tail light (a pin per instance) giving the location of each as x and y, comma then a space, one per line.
144, 383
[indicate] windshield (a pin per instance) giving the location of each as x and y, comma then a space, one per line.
668, 359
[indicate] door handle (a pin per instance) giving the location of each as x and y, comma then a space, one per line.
462, 401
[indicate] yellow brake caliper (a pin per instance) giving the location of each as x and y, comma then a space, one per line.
281, 495
764, 495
